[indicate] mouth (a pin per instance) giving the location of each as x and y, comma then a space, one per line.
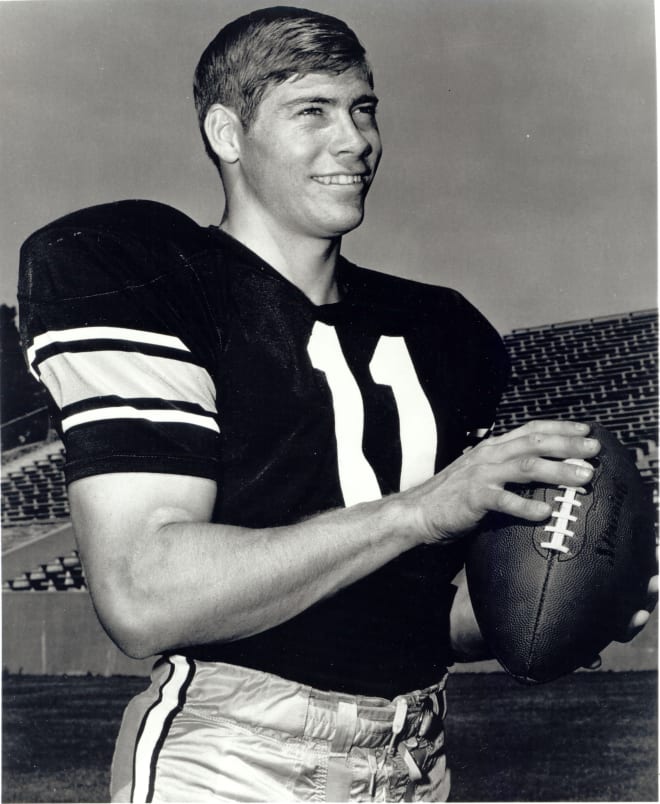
342, 179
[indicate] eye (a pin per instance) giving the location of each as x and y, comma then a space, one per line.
368, 109
364, 117
311, 111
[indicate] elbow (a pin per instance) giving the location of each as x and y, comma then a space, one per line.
134, 642
131, 624
469, 646
129, 633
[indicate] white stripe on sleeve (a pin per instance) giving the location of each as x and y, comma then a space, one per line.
78, 376
105, 333
128, 412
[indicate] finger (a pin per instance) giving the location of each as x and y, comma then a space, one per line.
548, 426
548, 445
530, 469
638, 620
652, 593
635, 625
506, 502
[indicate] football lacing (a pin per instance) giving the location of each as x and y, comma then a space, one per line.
560, 527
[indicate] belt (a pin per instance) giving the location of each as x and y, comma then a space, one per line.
416, 732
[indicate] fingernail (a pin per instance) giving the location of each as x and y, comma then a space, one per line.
590, 443
581, 428
584, 472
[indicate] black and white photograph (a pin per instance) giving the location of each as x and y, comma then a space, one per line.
329, 400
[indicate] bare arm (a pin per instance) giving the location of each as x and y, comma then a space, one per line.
163, 577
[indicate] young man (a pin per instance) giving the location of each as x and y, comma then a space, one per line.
266, 447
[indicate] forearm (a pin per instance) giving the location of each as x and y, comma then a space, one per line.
190, 583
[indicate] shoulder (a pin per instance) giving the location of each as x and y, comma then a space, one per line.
101, 248
411, 297
138, 218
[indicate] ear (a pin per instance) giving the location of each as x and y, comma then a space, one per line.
223, 129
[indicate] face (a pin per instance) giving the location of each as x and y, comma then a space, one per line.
311, 153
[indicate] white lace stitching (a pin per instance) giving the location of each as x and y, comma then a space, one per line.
560, 529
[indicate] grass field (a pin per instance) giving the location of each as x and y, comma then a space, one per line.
589, 737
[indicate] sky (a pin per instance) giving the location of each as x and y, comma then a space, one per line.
519, 136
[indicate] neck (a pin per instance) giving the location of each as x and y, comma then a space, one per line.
309, 263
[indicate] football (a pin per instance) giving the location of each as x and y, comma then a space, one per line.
549, 596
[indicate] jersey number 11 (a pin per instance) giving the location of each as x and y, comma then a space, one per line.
390, 365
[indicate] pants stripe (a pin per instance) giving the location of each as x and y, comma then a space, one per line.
156, 724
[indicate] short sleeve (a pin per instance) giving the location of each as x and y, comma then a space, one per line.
116, 329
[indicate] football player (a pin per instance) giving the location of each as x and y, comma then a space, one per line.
267, 447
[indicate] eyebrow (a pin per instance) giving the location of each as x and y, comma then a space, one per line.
373, 99
321, 100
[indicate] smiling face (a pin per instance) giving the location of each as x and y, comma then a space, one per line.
308, 158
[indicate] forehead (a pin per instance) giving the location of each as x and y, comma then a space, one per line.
340, 88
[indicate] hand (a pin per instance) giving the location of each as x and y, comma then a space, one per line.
641, 617
453, 502
637, 621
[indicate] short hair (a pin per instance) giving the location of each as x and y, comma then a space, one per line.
266, 47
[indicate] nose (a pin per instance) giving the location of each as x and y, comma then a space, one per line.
348, 138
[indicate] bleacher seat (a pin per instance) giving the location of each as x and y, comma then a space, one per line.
61, 574
35, 491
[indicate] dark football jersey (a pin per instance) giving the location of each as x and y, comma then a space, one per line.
168, 347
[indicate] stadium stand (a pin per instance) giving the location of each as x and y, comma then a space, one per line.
33, 485
600, 369
61, 574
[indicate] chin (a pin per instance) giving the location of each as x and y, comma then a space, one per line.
343, 224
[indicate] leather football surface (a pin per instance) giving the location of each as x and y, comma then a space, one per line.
549, 596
